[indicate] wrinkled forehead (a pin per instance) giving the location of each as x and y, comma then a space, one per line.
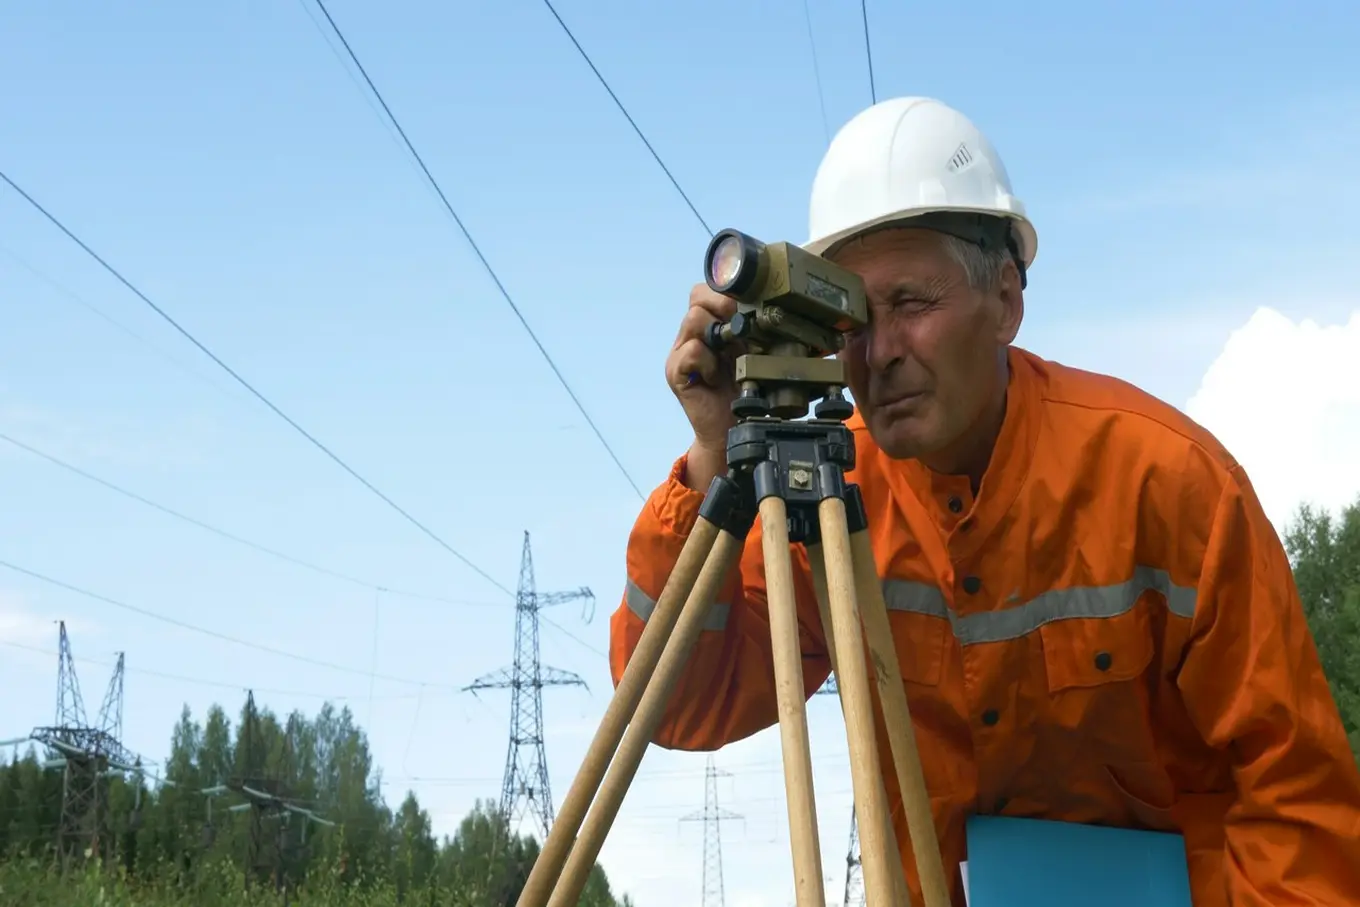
897, 259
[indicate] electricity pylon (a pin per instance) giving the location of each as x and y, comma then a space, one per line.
87, 755
712, 816
525, 788
265, 797
854, 875
854, 872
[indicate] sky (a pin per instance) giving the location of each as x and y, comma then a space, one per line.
1189, 171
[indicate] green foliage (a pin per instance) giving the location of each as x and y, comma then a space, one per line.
1325, 554
176, 846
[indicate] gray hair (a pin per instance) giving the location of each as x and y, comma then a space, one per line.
983, 266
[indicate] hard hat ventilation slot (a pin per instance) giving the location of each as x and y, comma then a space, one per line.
961, 159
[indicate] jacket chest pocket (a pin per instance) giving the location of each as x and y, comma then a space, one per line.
920, 626
921, 641
1099, 688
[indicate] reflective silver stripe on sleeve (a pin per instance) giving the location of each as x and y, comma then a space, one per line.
1014, 622
642, 604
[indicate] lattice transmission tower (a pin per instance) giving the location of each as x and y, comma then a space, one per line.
712, 816
854, 873
87, 754
525, 790
274, 846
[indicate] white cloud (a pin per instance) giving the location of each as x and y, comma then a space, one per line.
1284, 398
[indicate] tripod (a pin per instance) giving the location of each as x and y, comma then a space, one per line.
791, 473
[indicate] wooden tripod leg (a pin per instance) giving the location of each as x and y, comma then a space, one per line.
911, 779
852, 678
792, 700
723, 555
816, 560
622, 705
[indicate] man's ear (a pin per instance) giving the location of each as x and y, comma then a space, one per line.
1011, 299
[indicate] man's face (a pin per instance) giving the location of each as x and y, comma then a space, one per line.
927, 369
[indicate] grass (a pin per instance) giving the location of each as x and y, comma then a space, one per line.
28, 883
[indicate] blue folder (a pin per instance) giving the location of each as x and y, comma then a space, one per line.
1031, 862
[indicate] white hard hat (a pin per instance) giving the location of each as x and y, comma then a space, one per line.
907, 157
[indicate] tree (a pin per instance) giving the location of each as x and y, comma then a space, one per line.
193, 848
1325, 555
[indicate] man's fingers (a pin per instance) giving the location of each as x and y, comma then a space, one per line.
716, 304
705, 307
692, 361
695, 324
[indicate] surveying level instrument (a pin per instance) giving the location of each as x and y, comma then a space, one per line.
793, 308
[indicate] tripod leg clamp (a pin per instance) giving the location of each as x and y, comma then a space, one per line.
856, 517
728, 505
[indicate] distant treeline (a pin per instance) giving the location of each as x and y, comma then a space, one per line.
164, 844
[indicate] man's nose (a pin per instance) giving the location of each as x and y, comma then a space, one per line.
882, 349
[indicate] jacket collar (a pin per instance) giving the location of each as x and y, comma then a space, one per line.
979, 517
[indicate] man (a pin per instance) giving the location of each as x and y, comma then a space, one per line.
1095, 620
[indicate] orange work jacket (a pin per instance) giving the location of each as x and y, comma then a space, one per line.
1109, 633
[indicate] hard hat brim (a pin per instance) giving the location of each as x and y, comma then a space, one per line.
1025, 232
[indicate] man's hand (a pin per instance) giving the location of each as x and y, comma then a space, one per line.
702, 381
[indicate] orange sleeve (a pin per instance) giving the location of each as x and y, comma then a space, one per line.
1254, 686
727, 690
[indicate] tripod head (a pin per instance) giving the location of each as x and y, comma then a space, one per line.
793, 310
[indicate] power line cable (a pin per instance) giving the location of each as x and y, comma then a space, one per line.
373, 658
816, 71
296, 561
199, 681
629, 117
868, 52
248, 386
572, 636
79, 300
477, 249
377, 588
195, 628
359, 86
415, 723
754, 767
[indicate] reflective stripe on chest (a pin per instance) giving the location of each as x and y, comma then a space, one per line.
1015, 621
1007, 623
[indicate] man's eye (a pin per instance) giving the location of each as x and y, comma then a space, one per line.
911, 304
